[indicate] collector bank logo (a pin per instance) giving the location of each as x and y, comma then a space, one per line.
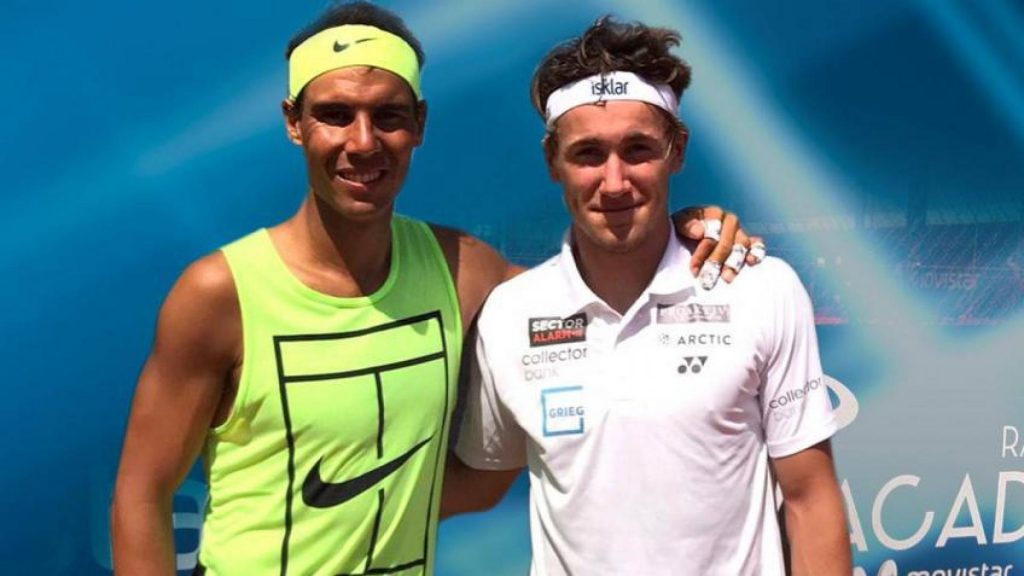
844, 403
549, 330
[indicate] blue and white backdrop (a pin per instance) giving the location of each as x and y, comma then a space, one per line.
879, 145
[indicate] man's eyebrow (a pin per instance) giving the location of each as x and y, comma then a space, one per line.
334, 105
639, 135
584, 141
393, 106
632, 136
329, 106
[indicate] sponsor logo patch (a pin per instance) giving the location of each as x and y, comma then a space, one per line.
563, 411
550, 330
543, 364
692, 364
702, 339
608, 87
690, 313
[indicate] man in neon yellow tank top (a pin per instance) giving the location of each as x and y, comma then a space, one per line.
314, 364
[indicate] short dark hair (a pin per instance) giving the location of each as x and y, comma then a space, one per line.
608, 46
359, 12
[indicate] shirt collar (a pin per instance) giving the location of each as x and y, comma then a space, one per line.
671, 278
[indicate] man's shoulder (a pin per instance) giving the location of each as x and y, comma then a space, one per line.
771, 275
208, 279
532, 292
772, 291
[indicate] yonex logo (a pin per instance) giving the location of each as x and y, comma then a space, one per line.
692, 364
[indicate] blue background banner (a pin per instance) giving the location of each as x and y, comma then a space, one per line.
878, 146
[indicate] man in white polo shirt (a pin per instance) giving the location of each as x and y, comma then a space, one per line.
655, 417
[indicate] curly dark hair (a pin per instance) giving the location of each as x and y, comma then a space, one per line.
608, 46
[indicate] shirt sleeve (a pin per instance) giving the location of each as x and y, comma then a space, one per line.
489, 438
796, 409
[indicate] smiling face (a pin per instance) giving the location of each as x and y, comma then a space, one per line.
358, 127
614, 162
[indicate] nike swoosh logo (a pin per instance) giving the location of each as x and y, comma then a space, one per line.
319, 494
848, 406
342, 47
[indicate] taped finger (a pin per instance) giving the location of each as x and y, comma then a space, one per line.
737, 257
712, 229
709, 274
758, 251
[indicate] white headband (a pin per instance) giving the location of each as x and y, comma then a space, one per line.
604, 87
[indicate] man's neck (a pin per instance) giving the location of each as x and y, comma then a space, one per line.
333, 254
619, 278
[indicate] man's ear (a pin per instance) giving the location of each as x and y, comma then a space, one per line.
291, 121
678, 152
549, 145
421, 121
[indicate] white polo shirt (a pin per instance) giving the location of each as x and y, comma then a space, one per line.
647, 434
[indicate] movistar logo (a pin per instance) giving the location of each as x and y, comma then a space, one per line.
888, 568
339, 47
844, 403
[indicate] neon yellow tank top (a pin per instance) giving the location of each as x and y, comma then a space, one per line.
332, 458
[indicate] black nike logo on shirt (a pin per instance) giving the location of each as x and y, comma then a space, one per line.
342, 47
319, 494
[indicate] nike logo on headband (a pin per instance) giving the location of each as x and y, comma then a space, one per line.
342, 47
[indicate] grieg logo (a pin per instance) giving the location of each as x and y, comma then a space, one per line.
549, 330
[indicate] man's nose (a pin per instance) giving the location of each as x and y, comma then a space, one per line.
614, 182
362, 136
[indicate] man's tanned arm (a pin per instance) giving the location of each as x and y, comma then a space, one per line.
177, 400
815, 520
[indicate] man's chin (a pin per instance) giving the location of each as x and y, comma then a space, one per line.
360, 211
615, 241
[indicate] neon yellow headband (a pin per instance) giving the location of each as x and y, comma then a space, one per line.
352, 45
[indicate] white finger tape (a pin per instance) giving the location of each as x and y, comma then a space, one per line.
709, 274
713, 229
758, 251
737, 257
